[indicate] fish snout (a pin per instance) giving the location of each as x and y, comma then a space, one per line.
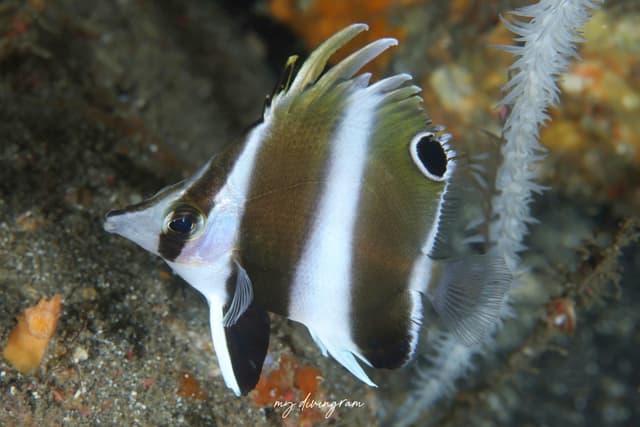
110, 223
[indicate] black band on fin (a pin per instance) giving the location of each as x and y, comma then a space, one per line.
247, 343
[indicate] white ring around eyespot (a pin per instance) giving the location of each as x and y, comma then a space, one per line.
413, 151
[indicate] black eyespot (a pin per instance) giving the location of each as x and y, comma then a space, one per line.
428, 153
184, 220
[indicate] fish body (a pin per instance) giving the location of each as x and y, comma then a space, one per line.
333, 212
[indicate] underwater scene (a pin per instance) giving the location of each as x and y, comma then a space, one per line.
416, 213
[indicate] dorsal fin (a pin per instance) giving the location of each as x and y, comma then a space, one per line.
315, 64
310, 79
284, 82
347, 68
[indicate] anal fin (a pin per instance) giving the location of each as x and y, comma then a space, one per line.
468, 294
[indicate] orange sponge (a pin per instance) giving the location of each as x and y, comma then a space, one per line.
28, 340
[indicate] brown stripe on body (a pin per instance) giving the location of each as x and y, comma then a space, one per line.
397, 206
285, 190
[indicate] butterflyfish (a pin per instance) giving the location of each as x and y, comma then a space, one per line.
332, 211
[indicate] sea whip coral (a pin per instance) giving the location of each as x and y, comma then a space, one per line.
548, 40
549, 43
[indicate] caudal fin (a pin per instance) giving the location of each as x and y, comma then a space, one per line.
469, 293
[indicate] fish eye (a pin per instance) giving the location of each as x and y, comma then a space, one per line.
184, 221
430, 155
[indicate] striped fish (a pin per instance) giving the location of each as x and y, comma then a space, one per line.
333, 212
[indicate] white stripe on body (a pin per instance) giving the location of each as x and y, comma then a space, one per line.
321, 290
211, 260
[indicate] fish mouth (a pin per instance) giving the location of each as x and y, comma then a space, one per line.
109, 223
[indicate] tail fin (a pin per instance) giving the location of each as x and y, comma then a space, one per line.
468, 294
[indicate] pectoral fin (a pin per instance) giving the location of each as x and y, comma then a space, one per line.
240, 347
468, 294
242, 296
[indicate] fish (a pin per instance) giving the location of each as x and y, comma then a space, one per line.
335, 211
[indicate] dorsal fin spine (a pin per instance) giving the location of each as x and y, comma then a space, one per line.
314, 65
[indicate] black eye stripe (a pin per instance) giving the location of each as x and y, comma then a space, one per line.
170, 246
430, 155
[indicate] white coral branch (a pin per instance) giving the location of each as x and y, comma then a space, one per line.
549, 40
